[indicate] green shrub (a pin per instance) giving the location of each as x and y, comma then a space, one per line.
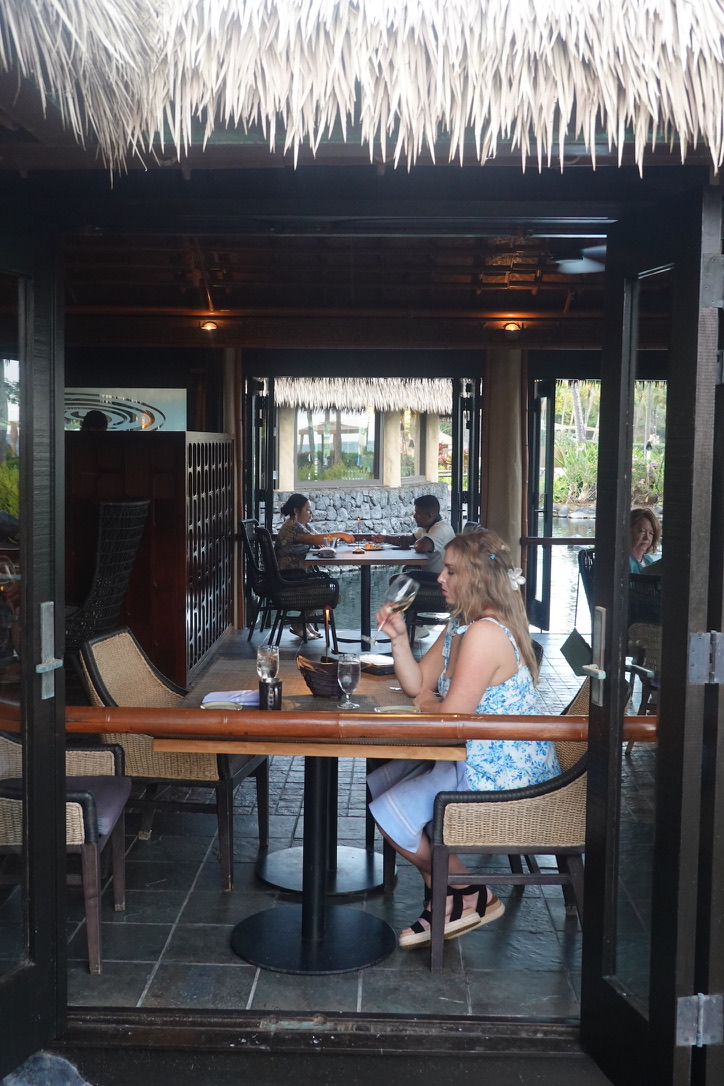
10, 487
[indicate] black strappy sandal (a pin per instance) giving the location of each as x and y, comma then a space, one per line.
417, 934
462, 920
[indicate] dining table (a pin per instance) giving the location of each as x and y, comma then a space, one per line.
350, 869
365, 557
315, 937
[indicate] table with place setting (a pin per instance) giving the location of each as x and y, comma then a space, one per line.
365, 556
316, 937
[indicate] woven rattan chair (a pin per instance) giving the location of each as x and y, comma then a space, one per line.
309, 598
116, 671
95, 798
546, 819
120, 527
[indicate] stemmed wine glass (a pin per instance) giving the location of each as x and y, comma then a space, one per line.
267, 662
399, 594
348, 672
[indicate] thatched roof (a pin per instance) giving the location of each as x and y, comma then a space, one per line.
360, 393
404, 73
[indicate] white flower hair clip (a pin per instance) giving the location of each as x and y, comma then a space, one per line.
516, 578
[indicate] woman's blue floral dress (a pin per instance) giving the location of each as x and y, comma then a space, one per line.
494, 764
403, 792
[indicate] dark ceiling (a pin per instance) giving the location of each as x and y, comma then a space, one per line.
238, 234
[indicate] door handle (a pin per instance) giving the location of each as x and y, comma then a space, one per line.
48, 661
597, 669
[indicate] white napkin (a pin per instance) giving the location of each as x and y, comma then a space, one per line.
235, 697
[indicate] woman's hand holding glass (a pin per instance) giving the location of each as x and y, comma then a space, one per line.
400, 593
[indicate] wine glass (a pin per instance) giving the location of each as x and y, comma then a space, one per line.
267, 662
399, 594
348, 672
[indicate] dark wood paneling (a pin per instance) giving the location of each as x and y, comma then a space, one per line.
180, 594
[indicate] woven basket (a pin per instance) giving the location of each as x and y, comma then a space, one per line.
320, 676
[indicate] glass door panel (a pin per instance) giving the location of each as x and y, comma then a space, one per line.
639, 957
14, 943
636, 845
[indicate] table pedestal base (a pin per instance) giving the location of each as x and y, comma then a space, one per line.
357, 870
352, 940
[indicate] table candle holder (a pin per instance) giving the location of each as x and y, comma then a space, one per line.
270, 693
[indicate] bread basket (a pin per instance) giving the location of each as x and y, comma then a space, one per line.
320, 676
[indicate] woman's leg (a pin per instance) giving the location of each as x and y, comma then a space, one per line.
463, 909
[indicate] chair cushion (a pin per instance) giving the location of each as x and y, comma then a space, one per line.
110, 795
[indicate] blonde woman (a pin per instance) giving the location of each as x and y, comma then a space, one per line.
483, 662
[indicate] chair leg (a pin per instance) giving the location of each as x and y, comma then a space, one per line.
261, 775
574, 865
150, 792
225, 820
516, 865
440, 871
118, 855
91, 876
389, 867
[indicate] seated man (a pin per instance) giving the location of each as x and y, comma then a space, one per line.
430, 537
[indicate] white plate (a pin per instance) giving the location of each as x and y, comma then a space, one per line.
396, 709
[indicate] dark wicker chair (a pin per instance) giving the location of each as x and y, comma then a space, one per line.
116, 671
95, 798
309, 598
546, 819
120, 527
586, 567
257, 583
429, 602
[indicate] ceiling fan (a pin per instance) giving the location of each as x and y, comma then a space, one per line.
592, 259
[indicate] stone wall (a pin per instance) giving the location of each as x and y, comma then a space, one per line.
380, 508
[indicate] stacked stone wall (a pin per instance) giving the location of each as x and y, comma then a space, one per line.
379, 508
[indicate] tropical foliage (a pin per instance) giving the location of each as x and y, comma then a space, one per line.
576, 443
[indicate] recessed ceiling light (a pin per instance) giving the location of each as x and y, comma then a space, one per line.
209, 326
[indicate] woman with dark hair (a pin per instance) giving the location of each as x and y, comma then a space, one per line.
483, 662
294, 541
645, 536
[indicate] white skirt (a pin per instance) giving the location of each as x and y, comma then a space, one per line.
403, 796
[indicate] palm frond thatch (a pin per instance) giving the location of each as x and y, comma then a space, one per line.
91, 58
359, 393
406, 74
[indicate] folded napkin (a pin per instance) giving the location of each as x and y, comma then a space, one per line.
235, 697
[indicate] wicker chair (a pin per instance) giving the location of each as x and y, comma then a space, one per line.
546, 819
428, 603
309, 598
586, 567
95, 798
120, 527
116, 671
257, 582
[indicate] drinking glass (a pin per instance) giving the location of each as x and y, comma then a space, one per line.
348, 672
267, 662
399, 594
